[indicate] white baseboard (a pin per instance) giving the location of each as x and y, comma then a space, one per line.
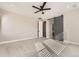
75, 43
16, 40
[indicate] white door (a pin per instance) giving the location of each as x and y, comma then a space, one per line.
40, 28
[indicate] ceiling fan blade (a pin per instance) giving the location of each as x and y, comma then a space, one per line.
43, 5
35, 7
47, 9
37, 11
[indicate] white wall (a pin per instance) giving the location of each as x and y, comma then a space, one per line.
0, 24
71, 26
17, 26
49, 28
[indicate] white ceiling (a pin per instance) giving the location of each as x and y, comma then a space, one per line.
26, 9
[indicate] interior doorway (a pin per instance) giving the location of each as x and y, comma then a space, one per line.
44, 29
41, 29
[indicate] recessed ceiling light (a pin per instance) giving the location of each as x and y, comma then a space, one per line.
11, 5
68, 6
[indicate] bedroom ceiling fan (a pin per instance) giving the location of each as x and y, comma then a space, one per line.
41, 8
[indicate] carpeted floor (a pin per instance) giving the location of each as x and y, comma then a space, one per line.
24, 48
27, 48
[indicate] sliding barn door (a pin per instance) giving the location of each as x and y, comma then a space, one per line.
58, 28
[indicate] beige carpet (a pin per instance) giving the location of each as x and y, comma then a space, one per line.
27, 49
24, 48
